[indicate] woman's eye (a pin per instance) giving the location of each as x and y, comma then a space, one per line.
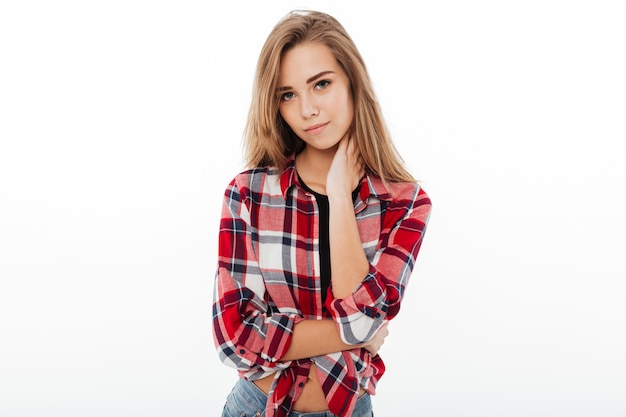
287, 96
322, 84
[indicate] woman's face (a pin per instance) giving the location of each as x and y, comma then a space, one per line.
315, 95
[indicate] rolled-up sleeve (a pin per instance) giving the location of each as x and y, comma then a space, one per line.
377, 298
245, 333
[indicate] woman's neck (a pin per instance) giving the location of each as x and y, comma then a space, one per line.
313, 164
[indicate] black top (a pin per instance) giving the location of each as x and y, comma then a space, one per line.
324, 241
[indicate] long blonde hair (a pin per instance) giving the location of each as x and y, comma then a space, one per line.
268, 140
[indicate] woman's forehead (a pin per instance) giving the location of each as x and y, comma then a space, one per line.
300, 64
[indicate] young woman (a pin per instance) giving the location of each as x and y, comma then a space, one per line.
318, 239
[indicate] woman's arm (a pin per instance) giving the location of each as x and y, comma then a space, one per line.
349, 264
245, 335
314, 338
368, 292
320, 337
348, 261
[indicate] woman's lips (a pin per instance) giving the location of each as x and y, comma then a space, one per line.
315, 129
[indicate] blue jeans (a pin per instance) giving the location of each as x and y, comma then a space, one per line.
247, 400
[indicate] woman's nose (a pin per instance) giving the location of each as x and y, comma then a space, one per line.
308, 107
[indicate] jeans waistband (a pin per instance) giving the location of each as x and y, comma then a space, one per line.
255, 395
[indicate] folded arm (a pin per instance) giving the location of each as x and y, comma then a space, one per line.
368, 293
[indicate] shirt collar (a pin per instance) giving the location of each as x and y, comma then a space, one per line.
371, 185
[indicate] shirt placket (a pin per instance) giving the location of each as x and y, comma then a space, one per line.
312, 254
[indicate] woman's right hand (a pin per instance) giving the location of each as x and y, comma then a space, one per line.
346, 170
375, 343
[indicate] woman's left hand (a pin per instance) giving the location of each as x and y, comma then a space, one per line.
346, 170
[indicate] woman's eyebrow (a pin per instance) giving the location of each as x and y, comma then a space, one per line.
321, 74
308, 81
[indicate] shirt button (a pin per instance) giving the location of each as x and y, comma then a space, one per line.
242, 351
301, 384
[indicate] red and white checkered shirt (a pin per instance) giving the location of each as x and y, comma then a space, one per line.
268, 279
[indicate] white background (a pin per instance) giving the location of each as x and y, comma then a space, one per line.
120, 126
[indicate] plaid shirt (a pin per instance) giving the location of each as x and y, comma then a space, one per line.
268, 280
